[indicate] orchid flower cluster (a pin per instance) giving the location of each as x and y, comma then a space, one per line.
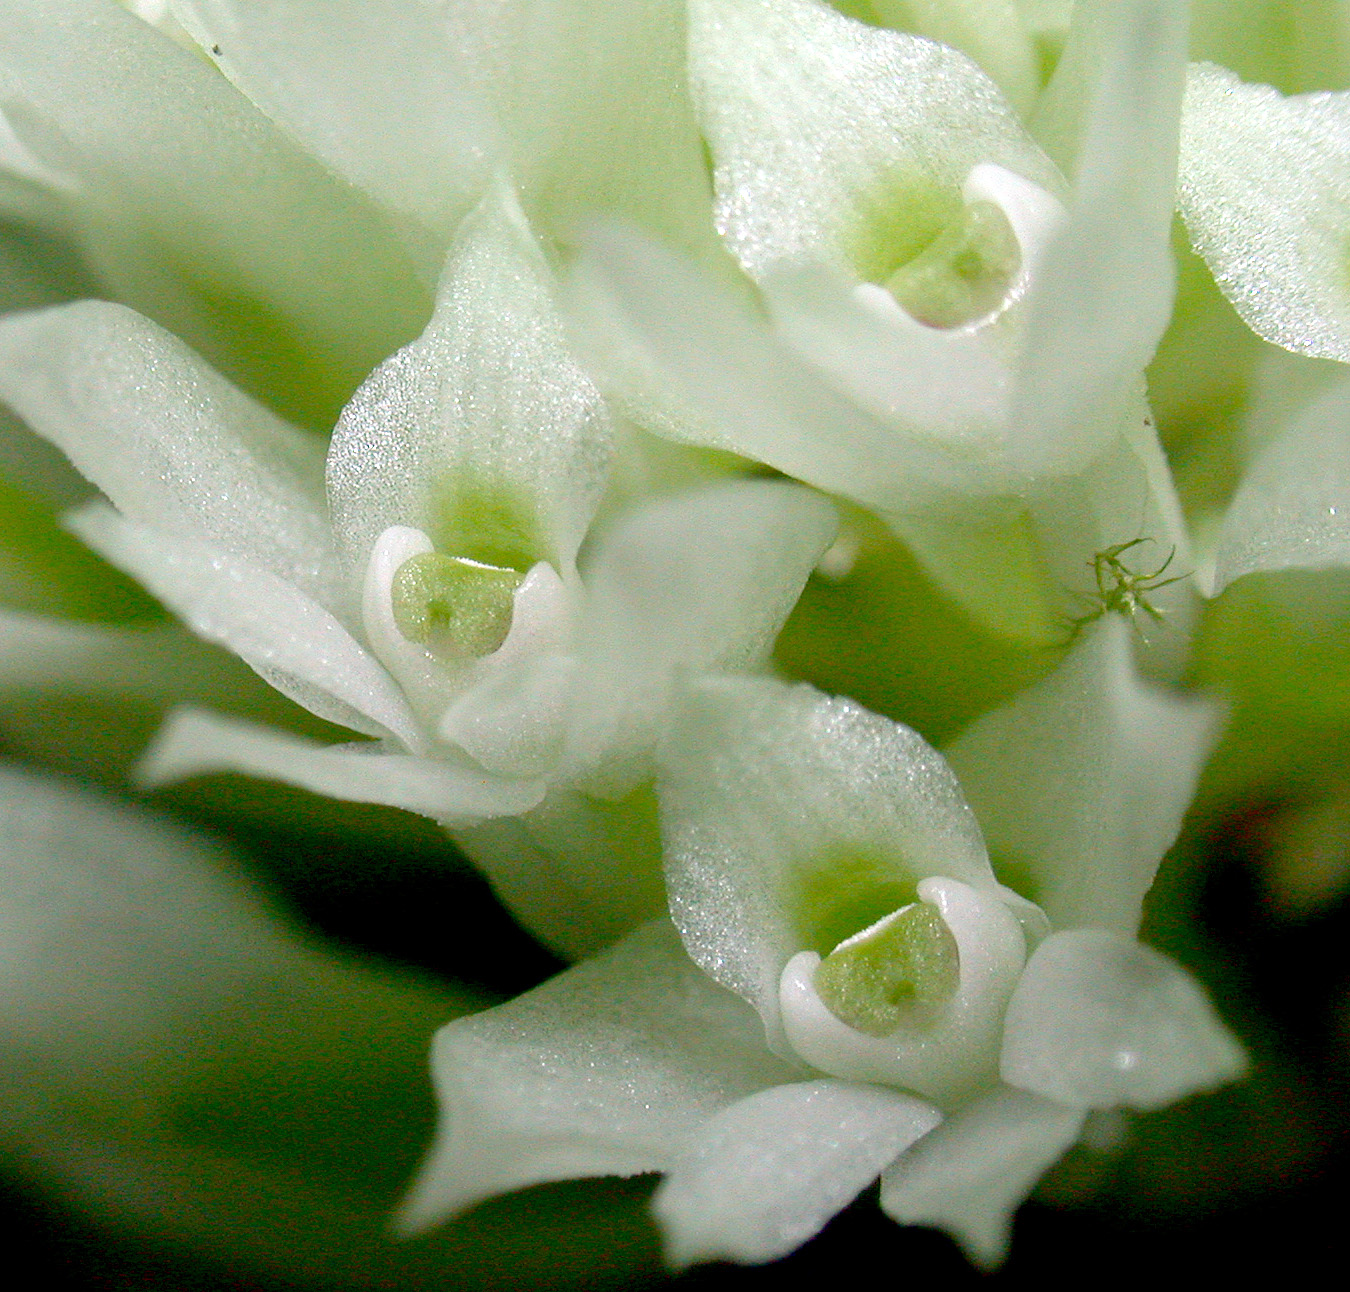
634, 323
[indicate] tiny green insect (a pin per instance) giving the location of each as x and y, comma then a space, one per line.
1121, 590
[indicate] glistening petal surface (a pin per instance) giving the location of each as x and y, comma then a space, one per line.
609, 1069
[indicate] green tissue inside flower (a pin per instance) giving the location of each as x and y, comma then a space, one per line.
964, 273
489, 522
896, 221
457, 608
874, 981
842, 893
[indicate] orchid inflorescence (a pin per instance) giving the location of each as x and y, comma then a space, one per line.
639, 322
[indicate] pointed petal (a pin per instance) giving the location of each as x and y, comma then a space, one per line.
291, 641
1104, 290
484, 423
193, 743
784, 813
195, 209
837, 142
169, 440
375, 91
765, 1174
699, 582
1263, 187
1292, 510
970, 1175
609, 1069
1081, 783
1100, 1020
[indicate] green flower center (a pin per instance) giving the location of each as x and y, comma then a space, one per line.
874, 980
458, 609
965, 273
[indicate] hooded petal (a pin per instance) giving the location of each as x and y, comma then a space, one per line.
195, 209
193, 743
695, 583
970, 1175
376, 91
483, 433
836, 142
1292, 510
612, 1068
792, 820
695, 364
1100, 1020
291, 641
1103, 292
765, 1174
170, 441
1264, 185
1081, 783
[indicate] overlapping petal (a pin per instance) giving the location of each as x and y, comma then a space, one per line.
608, 1069
1080, 784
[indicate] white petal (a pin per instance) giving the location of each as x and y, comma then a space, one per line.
1100, 1020
837, 142
695, 364
593, 97
970, 1174
993, 32
193, 743
947, 1058
1292, 510
699, 582
1104, 290
197, 210
1081, 783
765, 1174
484, 414
608, 1069
374, 91
168, 439
290, 640
785, 812
1264, 184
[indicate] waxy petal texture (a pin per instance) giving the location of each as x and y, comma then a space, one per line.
1080, 784
973, 1172
1264, 188
1100, 1020
609, 1069
765, 1174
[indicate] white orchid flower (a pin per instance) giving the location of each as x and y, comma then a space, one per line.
872, 1001
956, 333
432, 599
